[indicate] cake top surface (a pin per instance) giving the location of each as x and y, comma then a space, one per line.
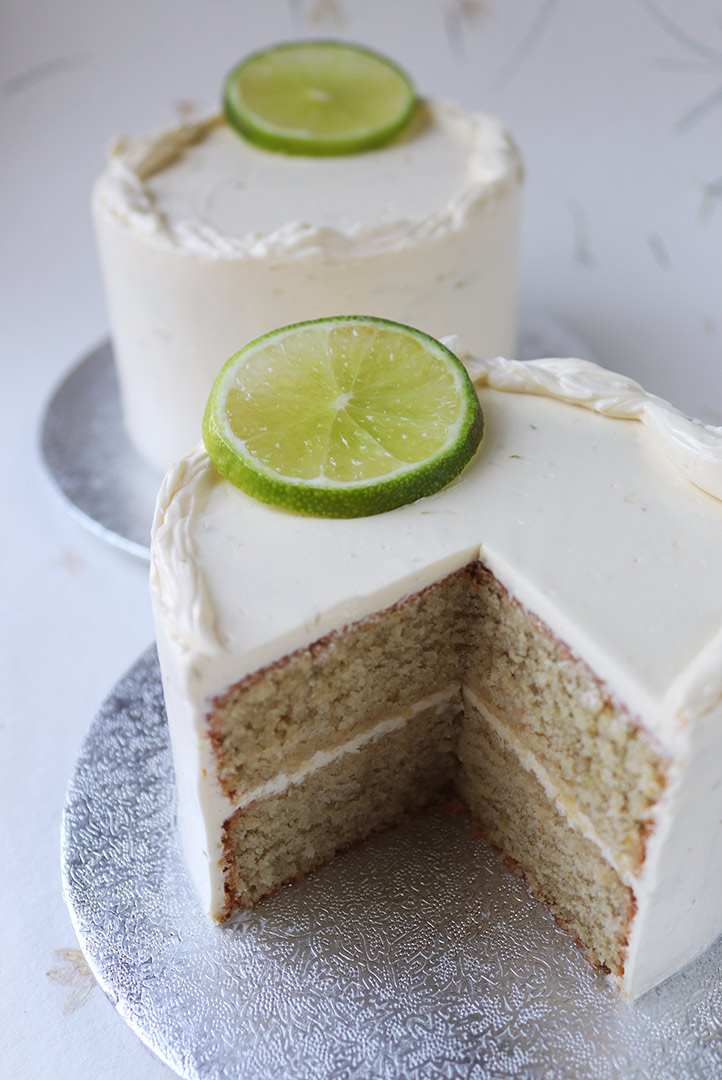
605, 520
204, 187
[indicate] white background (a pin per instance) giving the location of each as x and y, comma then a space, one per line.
617, 106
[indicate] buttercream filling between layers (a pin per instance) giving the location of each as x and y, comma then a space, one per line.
574, 817
281, 781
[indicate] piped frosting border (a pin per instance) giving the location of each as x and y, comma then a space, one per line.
693, 448
493, 167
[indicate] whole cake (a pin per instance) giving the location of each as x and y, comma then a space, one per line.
207, 241
542, 638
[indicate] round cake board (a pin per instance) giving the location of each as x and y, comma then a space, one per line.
416, 955
103, 480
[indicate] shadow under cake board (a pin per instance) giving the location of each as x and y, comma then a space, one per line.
416, 955
106, 484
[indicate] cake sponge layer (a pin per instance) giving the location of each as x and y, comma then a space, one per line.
561, 866
597, 756
447, 747
273, 841
344, 684
466, 631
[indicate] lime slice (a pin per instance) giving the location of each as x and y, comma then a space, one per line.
342, 417
318, 97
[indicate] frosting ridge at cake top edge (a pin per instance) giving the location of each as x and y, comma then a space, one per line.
692, 447
122, 194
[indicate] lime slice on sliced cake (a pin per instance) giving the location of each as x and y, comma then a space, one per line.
318, 97
342, 417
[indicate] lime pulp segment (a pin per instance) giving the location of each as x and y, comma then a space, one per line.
322, 97
342, 417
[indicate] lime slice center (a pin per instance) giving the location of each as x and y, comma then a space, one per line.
342, 404
316, 93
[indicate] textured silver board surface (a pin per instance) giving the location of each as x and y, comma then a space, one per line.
415, 956
105, 482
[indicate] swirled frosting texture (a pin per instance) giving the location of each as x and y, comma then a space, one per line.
694, 448
201, 187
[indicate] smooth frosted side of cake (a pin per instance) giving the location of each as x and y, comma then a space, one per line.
679, 887
176, 318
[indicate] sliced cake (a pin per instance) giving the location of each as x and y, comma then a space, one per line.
541, 640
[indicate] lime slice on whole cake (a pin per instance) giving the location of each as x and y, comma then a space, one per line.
342, 417
318, 97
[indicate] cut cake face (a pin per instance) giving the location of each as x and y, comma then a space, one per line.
543, 637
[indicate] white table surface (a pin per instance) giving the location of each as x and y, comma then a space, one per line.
618, 109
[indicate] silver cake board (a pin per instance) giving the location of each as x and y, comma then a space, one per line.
103, 480
110, 488
415, 956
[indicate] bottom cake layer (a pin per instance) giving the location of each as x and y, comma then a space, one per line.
450, 746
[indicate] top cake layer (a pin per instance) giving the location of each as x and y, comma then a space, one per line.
604, 520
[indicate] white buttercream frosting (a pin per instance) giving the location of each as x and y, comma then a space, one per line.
237, 199
207, 242
595, 504
694, 448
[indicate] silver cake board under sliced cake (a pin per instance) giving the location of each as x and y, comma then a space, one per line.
110, 488
417, 955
